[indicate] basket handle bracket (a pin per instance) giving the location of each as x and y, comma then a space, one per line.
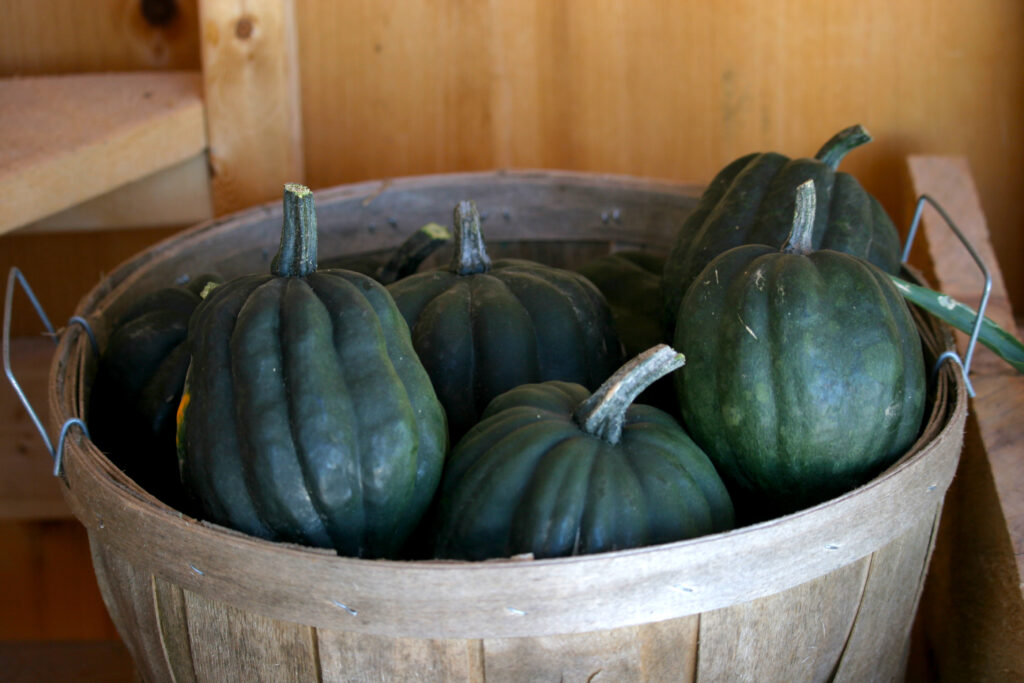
15, 277
965, 362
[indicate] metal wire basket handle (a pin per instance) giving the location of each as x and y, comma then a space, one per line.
14, 278
965, 362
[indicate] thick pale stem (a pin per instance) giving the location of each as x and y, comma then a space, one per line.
296, 257
470, 254
833, 151
604, 413
800, 237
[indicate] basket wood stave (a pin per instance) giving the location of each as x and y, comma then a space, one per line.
827, 593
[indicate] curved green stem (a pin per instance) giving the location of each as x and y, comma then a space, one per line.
604, 413
470, 255
833, 151
800, 240
962, 317
296, 257
412, 252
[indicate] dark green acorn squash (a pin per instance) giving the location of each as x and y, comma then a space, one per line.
402, 262
482, 328
307, 416
804, 375
750, 201
138, 384
630, 281
554, 470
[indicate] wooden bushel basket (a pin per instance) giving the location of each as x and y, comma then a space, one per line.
828, 593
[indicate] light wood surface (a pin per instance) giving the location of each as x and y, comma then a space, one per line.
999, 404
66, 139
251, 93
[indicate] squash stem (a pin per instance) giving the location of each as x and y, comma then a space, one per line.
470, 254
800, 237
604, 413
833, 151
412, 252
296, 257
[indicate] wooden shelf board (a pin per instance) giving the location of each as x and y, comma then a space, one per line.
67, 139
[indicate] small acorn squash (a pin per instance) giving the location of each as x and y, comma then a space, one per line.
138, 384
750, 201
307, 416
482, 327
805, 374
554, 470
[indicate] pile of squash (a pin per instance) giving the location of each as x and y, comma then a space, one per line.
494, 408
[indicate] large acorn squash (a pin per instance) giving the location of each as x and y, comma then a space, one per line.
307, 416
482, 327
554, 470
138, 384
750, 201
804, 374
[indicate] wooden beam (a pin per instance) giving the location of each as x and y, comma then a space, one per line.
66, 139
174, 197
251, 90
999, 404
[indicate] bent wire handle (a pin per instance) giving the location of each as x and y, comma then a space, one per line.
965, 362
16, 277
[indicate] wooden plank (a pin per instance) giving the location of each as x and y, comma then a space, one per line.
796, 635
128, 594
172, 614
174, 197
232, 644
49, 587
894, 584
660, 651
66, 139
999, 402
251, 86
28, 489
39, 37
366, 658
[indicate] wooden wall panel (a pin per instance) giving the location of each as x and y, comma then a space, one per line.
69, 36
666, 89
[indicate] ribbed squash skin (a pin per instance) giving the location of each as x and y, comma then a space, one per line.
512, 322
804, 374
528, 479
138, 384
307, 416
750, 201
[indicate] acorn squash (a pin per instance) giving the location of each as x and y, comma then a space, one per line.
805, 373
554, 470
482, 327
307, 417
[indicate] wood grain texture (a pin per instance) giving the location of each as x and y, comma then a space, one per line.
49, 585
176, 196
40, 37
229, 643
365, 658
128, 594
660, 651
251, 93
28, 489
886, 612
665, 89
66, 139
786, 636
999, 402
